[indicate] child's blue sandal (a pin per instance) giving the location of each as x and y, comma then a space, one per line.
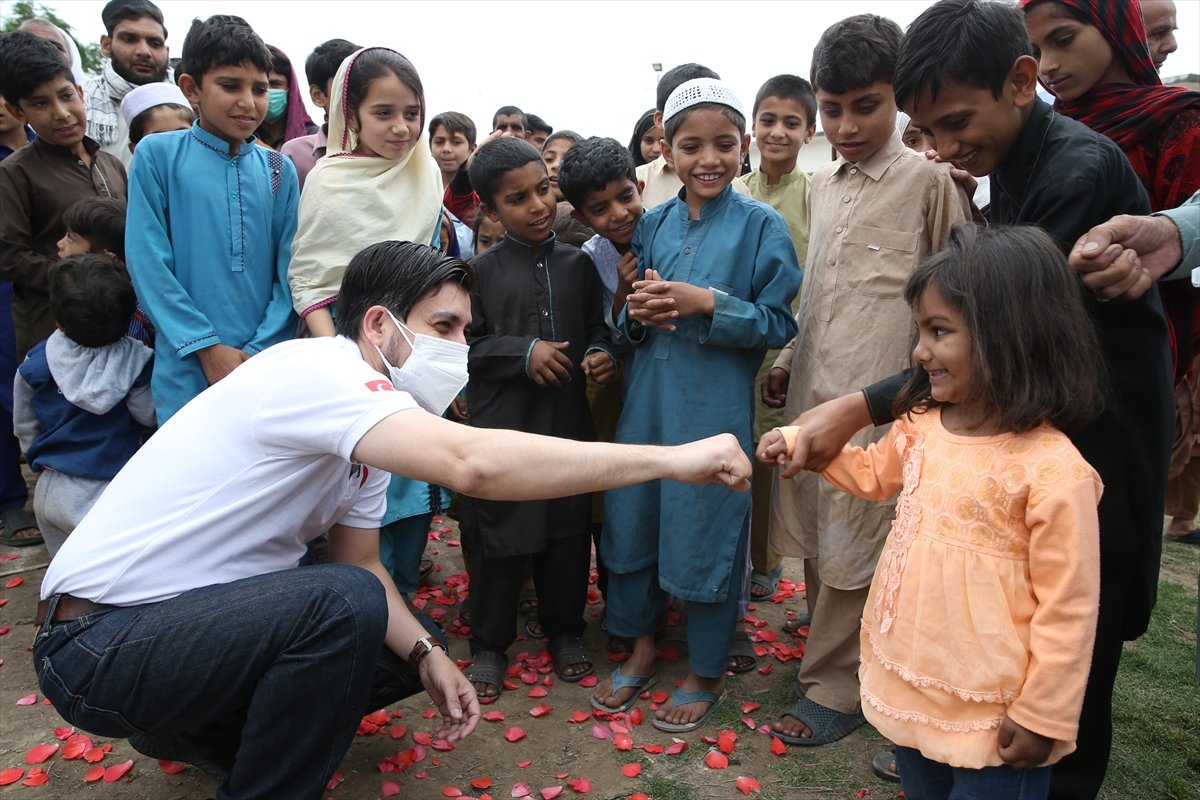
638, 683
681, 698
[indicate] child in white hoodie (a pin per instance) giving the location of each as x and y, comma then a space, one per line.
81, 399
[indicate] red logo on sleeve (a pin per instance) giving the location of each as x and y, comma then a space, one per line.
380, 386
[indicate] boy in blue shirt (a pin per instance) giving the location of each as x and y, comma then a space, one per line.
213, 272
718, 274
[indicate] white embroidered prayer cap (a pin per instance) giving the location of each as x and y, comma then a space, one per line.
701, 90
151, 95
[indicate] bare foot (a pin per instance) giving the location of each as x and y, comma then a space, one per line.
640, 663
690, 712
790, 726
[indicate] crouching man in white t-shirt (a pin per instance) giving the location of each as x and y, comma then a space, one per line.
175, 613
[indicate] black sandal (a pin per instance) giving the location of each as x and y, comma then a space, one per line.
487, 667
12, 522
568, 651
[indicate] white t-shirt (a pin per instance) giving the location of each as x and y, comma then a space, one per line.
239, 481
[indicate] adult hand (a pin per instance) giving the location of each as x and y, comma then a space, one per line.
650, 304
1121, 258
774, 387
598, 365
824, 431
548, 364
452, 693
219, 360
717, 459
1020, 747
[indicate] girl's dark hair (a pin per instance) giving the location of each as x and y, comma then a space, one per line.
379, 62
1035, 356
91, 298
396, 275
635, 144
100, 220
222, 40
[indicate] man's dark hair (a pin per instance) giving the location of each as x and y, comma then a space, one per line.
969, 42
223, 40
591, 165
789, 87
493, 159
27, 62
536, 123
118, 11
91, 299
675, 77
395, 275
454, 122
100, 220
855, 53
325, 60
505, 111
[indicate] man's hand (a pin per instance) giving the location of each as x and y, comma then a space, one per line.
598, 365
1020, 747
452, 693
548, 364
717, 459
774, 387
825, 430
219, 360
1121, 258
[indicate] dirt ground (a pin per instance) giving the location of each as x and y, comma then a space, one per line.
565, 751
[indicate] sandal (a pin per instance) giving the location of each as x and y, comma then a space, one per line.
425, 568
638, 683
567, 651
681, 698
826, 724
794, 625
533, 627
527, 603
764, 585
14, 521
1191, 537
741, 656
487, 667
884, 765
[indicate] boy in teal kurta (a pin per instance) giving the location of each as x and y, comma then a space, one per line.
211, 219
718, 275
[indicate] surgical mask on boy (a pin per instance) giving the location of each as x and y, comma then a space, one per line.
276, 104
435, 371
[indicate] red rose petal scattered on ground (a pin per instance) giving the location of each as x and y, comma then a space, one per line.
538, 691
37, 776
117, 771
335, 781
578, 717
40, 753
389, 788
4, 629
514, 734
27, 700
540, 710
94, 774
423, 737
442, 744
750, 708
716, 760
726, 741
528, 678
861, 793
429, 713
668, 653
777, 746
589, 681
481, 783
659, 697
631, 770
600, 732
398, 732
8, 776
653, 749
76, 745
14, 583
523, 764
621, 741
747, 785
63, 733
675, 748
749, 722
3, 601
639, 796
766, 670
580, 785
171, 767
494, 716
615, 726
449, 791
521, 790
93, 754
636, 716
550, 792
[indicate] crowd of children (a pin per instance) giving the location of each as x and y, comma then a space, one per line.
996, 513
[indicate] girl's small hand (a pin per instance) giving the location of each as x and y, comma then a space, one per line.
598, 365
1020, 747
772, 448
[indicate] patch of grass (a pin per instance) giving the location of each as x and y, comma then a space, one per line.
1156, 704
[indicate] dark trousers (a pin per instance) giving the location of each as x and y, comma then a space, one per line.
560, 576
234, 665
13, 491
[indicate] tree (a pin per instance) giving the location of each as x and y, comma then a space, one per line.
22, 10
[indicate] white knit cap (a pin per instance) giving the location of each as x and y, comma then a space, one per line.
701, 90
149, 96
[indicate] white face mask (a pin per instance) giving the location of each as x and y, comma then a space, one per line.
435, 371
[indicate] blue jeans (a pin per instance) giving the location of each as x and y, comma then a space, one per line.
299, 651
925, 779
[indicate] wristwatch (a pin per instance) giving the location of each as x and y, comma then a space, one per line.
423, 647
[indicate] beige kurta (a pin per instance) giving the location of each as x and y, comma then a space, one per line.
871, 224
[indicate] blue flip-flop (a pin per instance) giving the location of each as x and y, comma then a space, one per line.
681, 698
638, 683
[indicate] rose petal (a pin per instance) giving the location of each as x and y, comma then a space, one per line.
389, 788
494, 716
580, 785
94, 774
726, 741
631, 770
716, 760
676, 747
94, 754
514, 734
449, 791
37, 776
40, 753
481, 783
578, 717
622, 741
750, 708
537, 691
14, 583
63, 733
521, 790
117, 771
540, 710
777, 746
442, 744
589, 681
551, 792
600, 732
8, 776
171, 767
523, 764
27, 700
748, 785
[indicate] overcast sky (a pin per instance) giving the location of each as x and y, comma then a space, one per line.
579, 64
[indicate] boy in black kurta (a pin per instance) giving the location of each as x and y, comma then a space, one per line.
537, 335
